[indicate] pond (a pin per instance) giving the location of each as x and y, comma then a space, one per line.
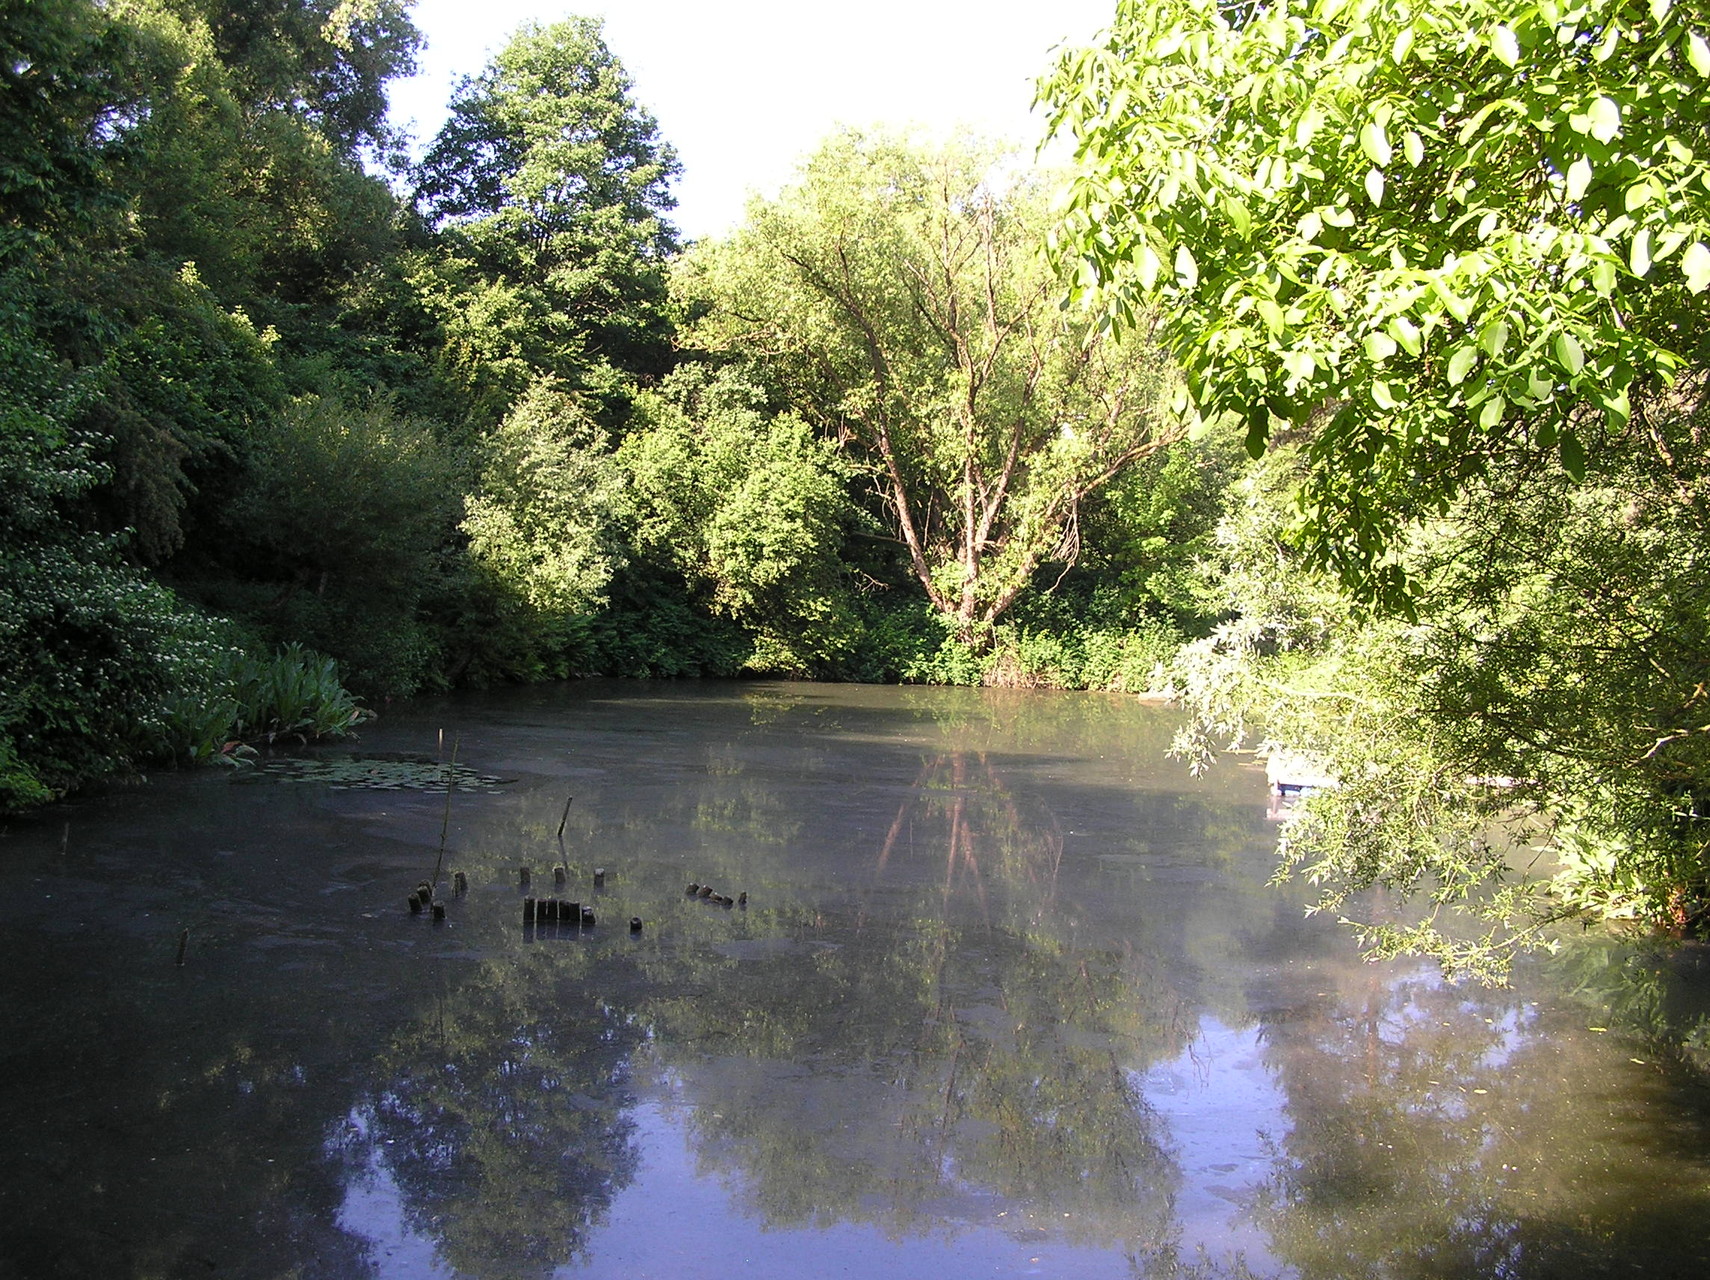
1010, 995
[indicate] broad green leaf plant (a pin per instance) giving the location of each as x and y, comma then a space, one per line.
1427, 236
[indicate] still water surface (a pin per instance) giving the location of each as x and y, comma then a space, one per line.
1010, 997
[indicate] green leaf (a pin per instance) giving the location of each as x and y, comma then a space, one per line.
1573, 456
1698, 53
1453, 303
1569, 354
1271, 314
1383, 396
1617, 409
1695, 266
1611, 40
1147, 266
1491, 414
1311, 120
1379, 347
1187, 270
1639, 253
1504, 45
1578, 178
1494, 338
1374, 185
1301, 365
1461, 363
1375, 143
1406, 333
1238, 216
1258, 430
1605, 119
1413, 147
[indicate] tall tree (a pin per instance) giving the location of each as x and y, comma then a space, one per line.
326, 60
903, 299
553, 185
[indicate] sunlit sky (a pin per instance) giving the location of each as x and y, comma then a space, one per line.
744, 89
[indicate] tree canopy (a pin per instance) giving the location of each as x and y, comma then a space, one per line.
552, 185
901, 298
1430, 236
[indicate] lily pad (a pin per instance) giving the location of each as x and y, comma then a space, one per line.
377, 773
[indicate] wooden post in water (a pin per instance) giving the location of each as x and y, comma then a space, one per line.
565, 816
183, 942
450, 786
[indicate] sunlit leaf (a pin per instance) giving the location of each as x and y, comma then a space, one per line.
1695, 266
1504, 45
1187, 270
1639, 254
1375, 143
1374, 185
1147, 266
1698, 53
1578, 178
1461, 363
1379, 347
1605, 118
1569, 354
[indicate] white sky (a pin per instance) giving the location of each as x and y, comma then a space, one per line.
745, 89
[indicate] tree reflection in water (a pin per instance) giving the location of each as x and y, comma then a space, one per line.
983, 928
1433, 1136
502, 1117
940, 1055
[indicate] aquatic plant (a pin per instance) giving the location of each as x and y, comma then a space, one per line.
242, 700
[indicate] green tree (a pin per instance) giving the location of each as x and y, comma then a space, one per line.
91, 650
902, 301
326, 61
1435, 236
752, 505
551, 186
63, 94
546, 519
340, 531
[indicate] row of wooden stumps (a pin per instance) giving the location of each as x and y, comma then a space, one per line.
553, 911
424, 898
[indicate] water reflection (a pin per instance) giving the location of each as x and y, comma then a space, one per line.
1011, 996
501, 1117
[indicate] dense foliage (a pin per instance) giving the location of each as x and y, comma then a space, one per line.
901, 301
271, 426
1451, 258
